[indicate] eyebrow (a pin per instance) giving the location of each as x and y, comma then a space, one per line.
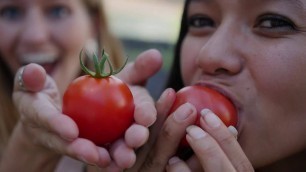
295, 3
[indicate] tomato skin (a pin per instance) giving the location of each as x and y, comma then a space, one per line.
103, 108
203, 97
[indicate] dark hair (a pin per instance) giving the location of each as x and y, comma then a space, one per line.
175, 78
7, 77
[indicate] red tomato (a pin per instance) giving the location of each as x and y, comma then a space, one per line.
203, 97
101, 104
103, 108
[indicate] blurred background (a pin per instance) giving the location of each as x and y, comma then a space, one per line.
145, 24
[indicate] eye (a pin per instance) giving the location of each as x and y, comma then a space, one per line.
275, 23
200, 21
11, 13
58, 11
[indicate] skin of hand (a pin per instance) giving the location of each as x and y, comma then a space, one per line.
165, 134
136, 74
215, 147
45, 127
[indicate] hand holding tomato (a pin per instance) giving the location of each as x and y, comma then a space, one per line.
44, 125
214, 146
101, 104
168, 131
205, 98
135, 74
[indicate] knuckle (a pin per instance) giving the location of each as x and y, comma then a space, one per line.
226, 139
210, 151
244, 166
166, 132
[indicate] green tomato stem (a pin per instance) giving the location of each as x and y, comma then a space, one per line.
100, 66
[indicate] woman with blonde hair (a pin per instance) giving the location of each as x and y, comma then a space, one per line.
46, 38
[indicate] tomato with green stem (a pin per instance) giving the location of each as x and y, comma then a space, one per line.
101, 104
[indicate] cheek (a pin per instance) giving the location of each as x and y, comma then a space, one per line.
73, 41
282, 75
8, 35
72, 35
189, 52
279, 77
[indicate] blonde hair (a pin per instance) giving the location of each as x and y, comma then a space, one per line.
106, 39
8, 115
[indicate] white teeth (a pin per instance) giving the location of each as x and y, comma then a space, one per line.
39, 58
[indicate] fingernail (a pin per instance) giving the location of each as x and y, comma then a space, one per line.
173, 160
233, 130
210, 118
183, 112
195, 132
164, 95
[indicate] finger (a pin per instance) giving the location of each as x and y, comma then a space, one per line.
170, 136
163, 106
234, 131
60, 125
44, 115
145, 112
145, 66
110, 168
207, 150
104, 157
81, 149
226, 140
44, 111
176, 165
194, 164
86, 151
136, 136
123, 155
25, 81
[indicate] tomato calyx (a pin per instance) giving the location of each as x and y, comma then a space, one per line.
100, 66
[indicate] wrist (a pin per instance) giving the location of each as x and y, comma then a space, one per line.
22, 154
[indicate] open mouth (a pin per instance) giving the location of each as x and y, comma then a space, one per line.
47, 61
49, 67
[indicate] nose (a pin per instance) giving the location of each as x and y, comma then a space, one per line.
34, 31
220, 54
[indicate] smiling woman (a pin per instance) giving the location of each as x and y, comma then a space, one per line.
44, 32
51, 34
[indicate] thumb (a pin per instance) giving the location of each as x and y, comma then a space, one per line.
31, 77
146, 65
